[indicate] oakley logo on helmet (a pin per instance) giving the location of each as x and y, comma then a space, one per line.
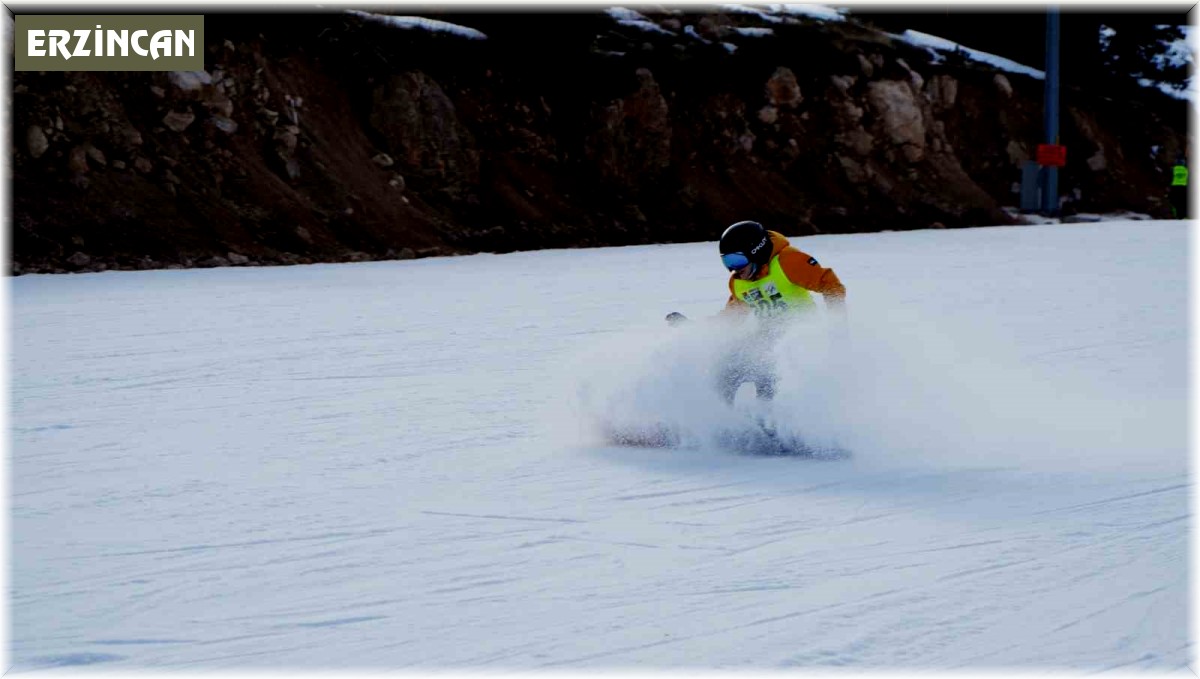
754, 250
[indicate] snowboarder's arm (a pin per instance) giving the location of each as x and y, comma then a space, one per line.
804, 270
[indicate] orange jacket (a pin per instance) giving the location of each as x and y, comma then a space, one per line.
801, 269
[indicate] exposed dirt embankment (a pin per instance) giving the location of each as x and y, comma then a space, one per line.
335, 137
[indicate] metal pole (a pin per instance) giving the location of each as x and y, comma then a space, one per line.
1050, 174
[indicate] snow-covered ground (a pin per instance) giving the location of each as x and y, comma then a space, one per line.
393, 465
937, 46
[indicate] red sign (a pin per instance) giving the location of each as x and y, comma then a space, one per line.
1052, 155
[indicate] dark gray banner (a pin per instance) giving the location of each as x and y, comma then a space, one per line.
109, 42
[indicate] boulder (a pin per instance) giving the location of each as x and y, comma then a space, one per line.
630, 142
1003, 85
212, 262
223, 124
189, 81
899, 116
178, 120
782, 88
943, 91
77, 160
95, 155
36, 141
420, 123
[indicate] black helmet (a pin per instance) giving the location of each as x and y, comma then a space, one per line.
749, 239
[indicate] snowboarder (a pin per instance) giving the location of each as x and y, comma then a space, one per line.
772, 280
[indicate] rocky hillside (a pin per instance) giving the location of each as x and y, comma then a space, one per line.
336, 136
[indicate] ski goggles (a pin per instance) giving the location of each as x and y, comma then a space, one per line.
734, 261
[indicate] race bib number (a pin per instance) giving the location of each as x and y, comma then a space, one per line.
767, 302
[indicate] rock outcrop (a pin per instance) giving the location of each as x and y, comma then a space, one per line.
330, 137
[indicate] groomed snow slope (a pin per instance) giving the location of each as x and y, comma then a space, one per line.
393, 465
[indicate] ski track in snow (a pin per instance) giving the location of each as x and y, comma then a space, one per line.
390, 465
